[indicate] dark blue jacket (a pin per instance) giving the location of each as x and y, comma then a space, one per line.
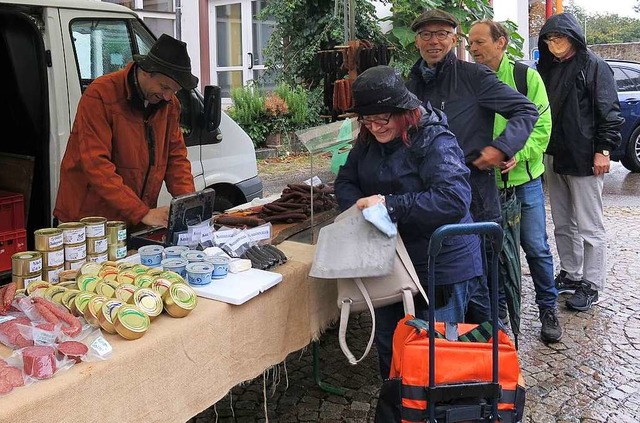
584, 102
470, 95
425, 186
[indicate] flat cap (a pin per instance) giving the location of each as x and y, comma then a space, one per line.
434, 15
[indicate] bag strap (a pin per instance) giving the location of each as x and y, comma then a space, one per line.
407, 301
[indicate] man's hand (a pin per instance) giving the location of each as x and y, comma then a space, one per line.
601, 164
157, 217
372, 200
490, 157
506, 167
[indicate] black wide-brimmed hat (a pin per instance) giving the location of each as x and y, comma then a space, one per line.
434, 15
380, 89
169, 57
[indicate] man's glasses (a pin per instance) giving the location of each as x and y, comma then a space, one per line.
441, 35
378, 121
554, 40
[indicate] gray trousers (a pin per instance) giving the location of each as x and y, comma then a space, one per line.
577, 212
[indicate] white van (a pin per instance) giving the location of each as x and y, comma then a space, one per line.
51, 50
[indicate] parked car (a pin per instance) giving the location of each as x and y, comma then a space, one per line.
627, 76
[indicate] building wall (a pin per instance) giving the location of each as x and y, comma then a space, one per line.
518, 12
623, 51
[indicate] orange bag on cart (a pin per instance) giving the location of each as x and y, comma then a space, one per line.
462, 360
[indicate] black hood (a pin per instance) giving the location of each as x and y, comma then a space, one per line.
563, 23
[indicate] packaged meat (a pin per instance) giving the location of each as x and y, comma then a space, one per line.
39, 361
73, 349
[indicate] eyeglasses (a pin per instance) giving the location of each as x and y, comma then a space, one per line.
378, 121
441, 35
554, 40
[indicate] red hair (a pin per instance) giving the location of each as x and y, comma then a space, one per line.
406, 119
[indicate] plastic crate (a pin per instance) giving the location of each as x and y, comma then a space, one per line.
10, 243
11, 211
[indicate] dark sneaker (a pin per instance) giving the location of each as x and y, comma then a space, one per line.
564, 284
584, 297
551, 330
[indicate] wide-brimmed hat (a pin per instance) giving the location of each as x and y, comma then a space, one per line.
169, 57
434, 15
380, 89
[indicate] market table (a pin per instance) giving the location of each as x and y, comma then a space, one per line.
180, 367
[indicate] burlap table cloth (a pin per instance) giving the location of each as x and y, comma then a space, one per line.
180, 367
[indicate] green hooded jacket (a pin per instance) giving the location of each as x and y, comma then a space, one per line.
529, 160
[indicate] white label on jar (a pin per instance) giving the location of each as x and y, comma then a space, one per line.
53, 276
35, 265
98, 258
100, 245
101, 347
55, 241
95, 231
77, 265
28, 281
121, 252
122, 234
74, 236
75, 252
55, 258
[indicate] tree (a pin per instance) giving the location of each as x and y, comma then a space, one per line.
606, 28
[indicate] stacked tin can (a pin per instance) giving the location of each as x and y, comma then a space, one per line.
117, 239
49, 242
26, 267
97, 242
75, 244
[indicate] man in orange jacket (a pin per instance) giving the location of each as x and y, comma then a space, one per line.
126, 141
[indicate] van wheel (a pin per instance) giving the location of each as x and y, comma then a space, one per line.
222, 203
631, 159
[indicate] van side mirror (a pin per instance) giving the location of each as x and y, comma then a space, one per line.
212, 107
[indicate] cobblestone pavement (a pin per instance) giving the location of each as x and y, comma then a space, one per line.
593, 375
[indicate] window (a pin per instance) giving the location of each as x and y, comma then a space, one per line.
624, 82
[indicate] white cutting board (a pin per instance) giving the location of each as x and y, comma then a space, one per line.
238, 288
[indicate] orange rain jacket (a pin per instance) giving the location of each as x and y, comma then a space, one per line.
107, 159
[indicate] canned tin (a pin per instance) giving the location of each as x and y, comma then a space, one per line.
131, 322
75, 265
110, 263
143, 280
124, 291
68, 275
35, 284
107, 313
108, 273
97, 245
55, 293
123, 265
67, 298
87, 282
177, 265
75, 252
107, 288
140, 269
26, 263
150, 255
155, 271
52, 274
48, 239
23, 282
193, 256
161, 285
53, 258
98, 257
172, 276
174, 251
220, 267
92, 308
95, 227
68, 284
80, 301
126, 276
199, 273
148, 301
116, 232
73, 232
117, 251
179, 300
91, 268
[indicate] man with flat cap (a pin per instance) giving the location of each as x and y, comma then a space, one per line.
470, 95
126, 141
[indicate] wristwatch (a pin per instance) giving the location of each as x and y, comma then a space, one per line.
604, 152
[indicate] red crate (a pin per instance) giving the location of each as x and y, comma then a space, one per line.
10, 243
11, 211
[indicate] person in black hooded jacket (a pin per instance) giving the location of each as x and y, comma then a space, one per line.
586, 126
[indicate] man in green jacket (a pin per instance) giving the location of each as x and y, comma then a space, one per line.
488, 41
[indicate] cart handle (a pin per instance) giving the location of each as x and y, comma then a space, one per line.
492, 229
